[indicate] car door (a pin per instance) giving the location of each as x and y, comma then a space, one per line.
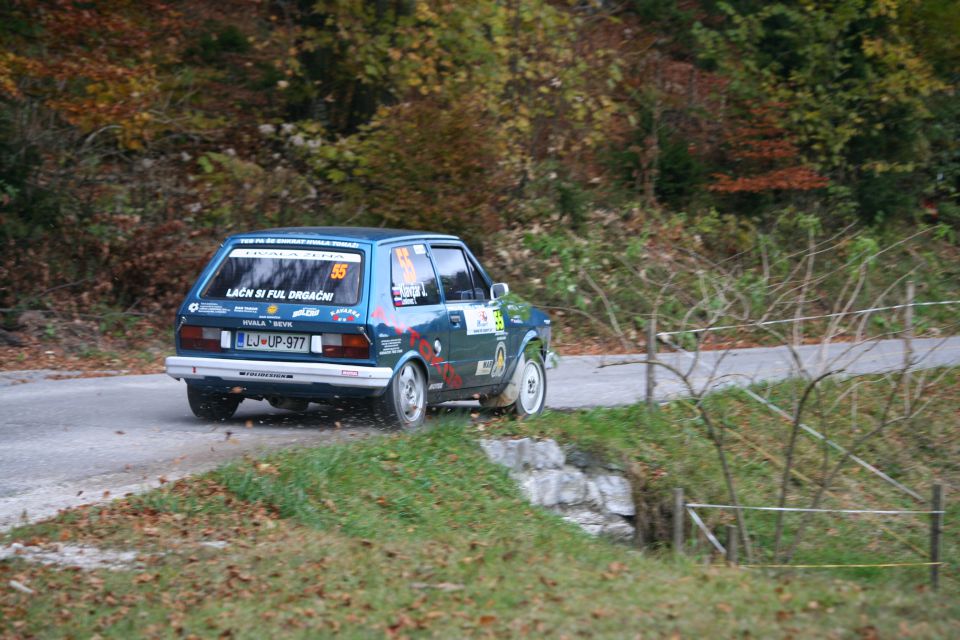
477, 344
410, 315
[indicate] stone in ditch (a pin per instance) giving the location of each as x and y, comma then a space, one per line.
617, 495
547, 454
551, 487
618, 531
593, 496
584, 517
504, 452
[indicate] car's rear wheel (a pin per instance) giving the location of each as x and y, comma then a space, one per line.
212, 406
405, 401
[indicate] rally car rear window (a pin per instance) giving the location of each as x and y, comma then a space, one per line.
299, 276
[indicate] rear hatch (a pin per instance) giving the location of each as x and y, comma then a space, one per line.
280, 302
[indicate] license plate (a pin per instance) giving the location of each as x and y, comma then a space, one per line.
257, 341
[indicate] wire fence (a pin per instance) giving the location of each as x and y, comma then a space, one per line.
806, 429
665, 337
839, 314
730, 549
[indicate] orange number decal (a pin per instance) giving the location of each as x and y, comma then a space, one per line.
339, 271
409, 271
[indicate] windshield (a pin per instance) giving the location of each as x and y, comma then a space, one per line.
288, 275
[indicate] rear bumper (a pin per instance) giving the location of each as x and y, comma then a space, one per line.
266, 371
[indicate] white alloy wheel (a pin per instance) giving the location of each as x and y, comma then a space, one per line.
404, 404
532, 387
411, 396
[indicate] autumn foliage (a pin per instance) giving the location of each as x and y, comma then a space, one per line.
129, 130
764, 157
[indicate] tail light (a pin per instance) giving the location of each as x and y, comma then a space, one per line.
345, 345
199, 338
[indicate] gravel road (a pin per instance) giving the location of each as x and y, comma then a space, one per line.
67, 442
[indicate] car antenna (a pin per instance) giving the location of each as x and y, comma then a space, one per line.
363, 332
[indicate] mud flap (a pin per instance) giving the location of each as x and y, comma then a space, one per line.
509, 394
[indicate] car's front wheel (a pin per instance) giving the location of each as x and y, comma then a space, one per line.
526, 392
212, 406
405, 401
532, 385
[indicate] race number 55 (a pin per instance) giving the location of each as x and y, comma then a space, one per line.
409, 271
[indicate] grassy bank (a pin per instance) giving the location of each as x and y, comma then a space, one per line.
670, 449
420, 536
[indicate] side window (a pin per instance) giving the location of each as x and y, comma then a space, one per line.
480, 290
413, 282
455, 275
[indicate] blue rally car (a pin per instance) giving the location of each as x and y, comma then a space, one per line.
326, 314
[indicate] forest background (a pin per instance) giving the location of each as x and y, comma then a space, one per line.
583, 148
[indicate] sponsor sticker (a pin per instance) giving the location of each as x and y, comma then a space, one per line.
310, 242
349, 374
244, 309
295, 254
479, 321
306, 312
499, 361
419, 249
280, 294
310, 296
436, 386
390, 347
272, 309
265, 374
345, 315
212, 308
445, 369
484, 367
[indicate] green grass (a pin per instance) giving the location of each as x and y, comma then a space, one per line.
420, 536
669, 449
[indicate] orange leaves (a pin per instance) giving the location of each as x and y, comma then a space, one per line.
267, 469
11, 67
770, 159
96, 69
614, 569
790, 178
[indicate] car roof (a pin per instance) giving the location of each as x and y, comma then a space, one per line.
369, 234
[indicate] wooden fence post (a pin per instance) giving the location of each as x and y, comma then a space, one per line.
679, 509
936, 526
908, 342
732, 541
651, 355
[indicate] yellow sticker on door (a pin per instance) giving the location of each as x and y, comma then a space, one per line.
500, 361
498, 319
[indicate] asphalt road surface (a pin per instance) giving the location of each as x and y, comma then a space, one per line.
67, 442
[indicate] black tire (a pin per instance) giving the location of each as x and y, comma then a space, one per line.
532, 395
212, 406
404, 404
